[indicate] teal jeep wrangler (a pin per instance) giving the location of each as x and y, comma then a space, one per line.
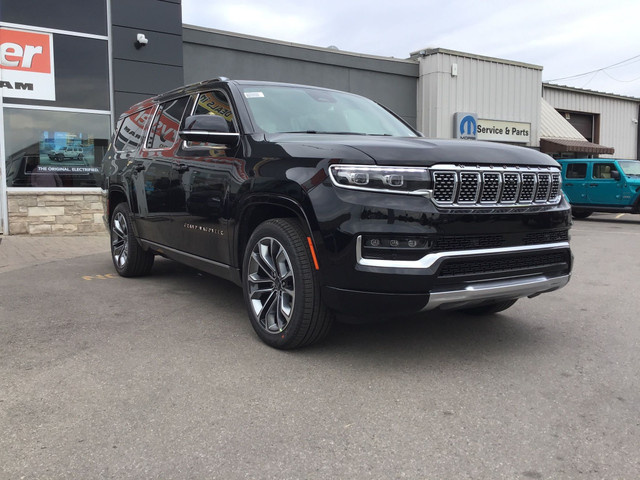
601, 185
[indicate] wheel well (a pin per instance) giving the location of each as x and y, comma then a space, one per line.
115, 197
254, 216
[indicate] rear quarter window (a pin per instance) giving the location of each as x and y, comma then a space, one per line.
131, 131
164, 129
576, 170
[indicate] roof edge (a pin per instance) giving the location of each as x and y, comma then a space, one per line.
567, 88
424, 52
336, 51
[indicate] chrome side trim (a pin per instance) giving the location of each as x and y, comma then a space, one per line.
433, 260
494, 290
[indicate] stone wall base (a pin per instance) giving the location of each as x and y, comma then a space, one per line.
54, 212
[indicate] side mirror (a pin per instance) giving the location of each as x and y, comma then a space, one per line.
615, 174
208, 128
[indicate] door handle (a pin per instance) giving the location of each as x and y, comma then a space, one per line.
593, 184
568, 184
180, 167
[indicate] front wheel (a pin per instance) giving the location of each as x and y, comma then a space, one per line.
281, 286
129, 258
580, 213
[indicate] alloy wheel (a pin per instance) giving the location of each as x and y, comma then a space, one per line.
271, 285
120, 240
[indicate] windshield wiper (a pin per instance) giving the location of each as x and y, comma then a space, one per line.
319, 132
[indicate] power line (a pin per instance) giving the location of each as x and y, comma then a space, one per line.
597, 70
618, 80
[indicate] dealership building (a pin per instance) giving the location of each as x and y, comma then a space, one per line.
67, 74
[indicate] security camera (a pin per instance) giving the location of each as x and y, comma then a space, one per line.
141, 40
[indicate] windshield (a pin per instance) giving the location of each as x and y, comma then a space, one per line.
631, 167
287, 109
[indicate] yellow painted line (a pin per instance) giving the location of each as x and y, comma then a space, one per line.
100, 277
620, 215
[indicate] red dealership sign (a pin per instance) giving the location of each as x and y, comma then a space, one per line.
26, 65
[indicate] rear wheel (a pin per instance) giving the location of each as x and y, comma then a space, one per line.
281, 286
489, 308
129, 258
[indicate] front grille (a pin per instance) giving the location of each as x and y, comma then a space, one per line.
467, 242
495, 186
450, 243
464, 267
552, 236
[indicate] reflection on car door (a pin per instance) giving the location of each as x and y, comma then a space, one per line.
155, 175
210, 175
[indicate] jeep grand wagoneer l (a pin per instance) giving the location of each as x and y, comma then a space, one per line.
317, 201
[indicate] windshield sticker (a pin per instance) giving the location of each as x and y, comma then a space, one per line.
254, 94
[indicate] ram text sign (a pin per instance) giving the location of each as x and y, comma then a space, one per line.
26, 65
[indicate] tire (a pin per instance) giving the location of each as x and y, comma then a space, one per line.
489, 308
128, 256
282, 288
579, 213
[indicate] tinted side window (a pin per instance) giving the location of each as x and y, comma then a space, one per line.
164, 129
131, 131
215, 103
603, 170
577, 170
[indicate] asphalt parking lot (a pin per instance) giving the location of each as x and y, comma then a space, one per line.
163, 377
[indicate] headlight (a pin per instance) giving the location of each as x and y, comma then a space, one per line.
407, 180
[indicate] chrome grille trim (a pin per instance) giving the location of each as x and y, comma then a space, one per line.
465, 186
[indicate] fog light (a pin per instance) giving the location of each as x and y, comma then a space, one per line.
395, 248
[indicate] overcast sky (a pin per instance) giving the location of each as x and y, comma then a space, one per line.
566, 37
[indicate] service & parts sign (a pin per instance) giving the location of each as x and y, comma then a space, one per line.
26, 65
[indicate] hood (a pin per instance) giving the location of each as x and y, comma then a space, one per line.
406, 151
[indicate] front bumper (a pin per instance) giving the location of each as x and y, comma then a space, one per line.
358, 303
494, 291
455, 279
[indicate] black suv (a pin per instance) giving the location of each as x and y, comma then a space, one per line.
318, 202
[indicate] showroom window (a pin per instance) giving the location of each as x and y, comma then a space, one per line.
54, 148
56, 94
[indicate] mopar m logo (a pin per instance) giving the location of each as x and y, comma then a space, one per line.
466, 125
